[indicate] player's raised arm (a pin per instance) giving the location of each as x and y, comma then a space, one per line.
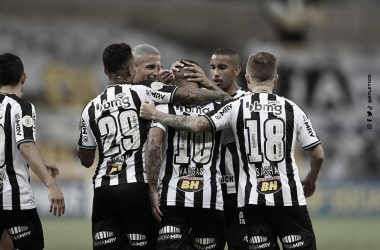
180, 122
30, 152
153, 165
199, 96
316, 161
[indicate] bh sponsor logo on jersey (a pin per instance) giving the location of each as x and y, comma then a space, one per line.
2, 178
292, 241
269, 185
259, 242
20, 232
241, 218
169, 233
309, 129
188, 108
223, 111
227, 179
271, 106
190, 183
137, 240
120, 101
204, 243
115, 165
104, 238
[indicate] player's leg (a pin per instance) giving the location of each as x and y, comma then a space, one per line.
209, 228
25, 229
134, 208
236, 232
5, 241
107, 229
294, 228
261, 234
172, 231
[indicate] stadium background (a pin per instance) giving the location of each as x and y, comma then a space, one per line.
326, 52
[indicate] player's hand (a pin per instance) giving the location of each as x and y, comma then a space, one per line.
153, 196
177, 63
148, 110
198, 76
164, 75
52, 168
309, 186
57, 201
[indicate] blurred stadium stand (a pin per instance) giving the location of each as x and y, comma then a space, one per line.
325, 49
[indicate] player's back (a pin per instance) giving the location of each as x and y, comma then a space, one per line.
190, 166
17, 125
111, 123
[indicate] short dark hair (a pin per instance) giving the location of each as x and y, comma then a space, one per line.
180, 74
262, 66
11, 69
229, 52
116, 55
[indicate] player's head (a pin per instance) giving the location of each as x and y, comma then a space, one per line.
118, 62
179, 76
224, 68
261, 70
11, 70
146, 57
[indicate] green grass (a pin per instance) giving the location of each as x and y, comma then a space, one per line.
331, 233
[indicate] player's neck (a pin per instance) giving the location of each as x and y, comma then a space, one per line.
262, 88
233, 88
16, 90
119, 79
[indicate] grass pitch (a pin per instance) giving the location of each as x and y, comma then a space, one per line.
331, 233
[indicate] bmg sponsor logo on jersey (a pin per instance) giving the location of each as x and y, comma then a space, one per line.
120, 100
137, 240
223, 111
191, 109
2, 178
20, 232
292, 241
204, 243
271, 106
104, 238
169, 233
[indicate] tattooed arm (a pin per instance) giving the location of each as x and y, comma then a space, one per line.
199, 96
180, 122
153, 164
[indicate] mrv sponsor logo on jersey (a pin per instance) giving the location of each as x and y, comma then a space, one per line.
204, 243
120, 101
292, 241
169, 233
271, 106
104, 238
20, 232
223, 111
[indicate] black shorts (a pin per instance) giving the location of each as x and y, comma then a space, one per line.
236, 231
24, 228
291, 224
207, 226
122, 218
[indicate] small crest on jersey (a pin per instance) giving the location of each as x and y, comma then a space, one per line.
190, 184
27, 121
2, 178
269, 185
157, 85
17, 116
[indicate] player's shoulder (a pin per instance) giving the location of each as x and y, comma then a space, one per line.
14, 99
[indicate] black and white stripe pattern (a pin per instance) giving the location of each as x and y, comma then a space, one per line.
111, 123
17, 126
266, 127
169, 229
190, 173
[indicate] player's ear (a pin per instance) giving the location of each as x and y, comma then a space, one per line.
248, 79
237, 70
23, 78
275, 79
105, 71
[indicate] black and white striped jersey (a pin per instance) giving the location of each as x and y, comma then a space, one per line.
189, 174
111, 123
230, 174
266, 127
17, 125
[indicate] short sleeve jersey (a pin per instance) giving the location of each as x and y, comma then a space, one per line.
189, 174
266, 127
111, 123
17, 126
